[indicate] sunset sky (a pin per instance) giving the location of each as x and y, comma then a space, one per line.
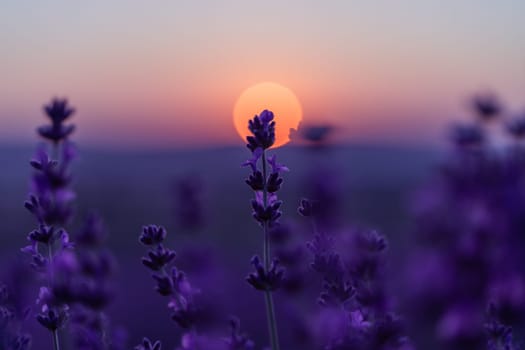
167, 73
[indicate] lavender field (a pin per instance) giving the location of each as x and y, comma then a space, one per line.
262, 175
130, 189
363, 247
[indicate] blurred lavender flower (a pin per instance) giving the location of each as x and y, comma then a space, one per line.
308, 208
324, 192
290, 252
51, 197
499, 336
316, 133
88, 283
189, 203
354, 299
487, 106
467, 136
58, 112
170, 281
468, 229
11, 335
516, 127
51, 205
237, 340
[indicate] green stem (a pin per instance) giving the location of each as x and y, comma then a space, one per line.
270, 309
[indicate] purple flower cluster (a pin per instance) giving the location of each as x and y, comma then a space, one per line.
186, 311
51, 205
354, 298
170, 282
88, 283
76, 278
469, 234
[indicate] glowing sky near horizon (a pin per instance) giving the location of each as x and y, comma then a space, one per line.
167, 73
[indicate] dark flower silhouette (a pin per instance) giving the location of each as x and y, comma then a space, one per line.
58, 111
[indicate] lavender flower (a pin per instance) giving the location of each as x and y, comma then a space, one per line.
157, 259
53, 318
262, 128
86, 279
516, 127
267, 276
172, 284
469, 224
152, 235
467, 136
265, 280
487, 106
50, 204
58, 112
353, 297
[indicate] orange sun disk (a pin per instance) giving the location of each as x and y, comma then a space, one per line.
274, 97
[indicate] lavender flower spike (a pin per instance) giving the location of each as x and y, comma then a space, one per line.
51, 204
266, 209
170, 282
58, 111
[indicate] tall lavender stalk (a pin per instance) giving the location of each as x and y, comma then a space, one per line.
267, 276
170, 281
50, 203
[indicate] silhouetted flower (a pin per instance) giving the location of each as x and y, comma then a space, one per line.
487, 106
53, 318
262, 128
317, 134
265, 280
516, 127
158, 258
58, 111
173, 284
269, 214
152, 235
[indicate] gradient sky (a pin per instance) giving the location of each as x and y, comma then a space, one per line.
167, 73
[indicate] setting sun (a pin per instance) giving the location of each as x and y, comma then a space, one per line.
277, 98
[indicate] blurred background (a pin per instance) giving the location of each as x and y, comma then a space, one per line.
154, 85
